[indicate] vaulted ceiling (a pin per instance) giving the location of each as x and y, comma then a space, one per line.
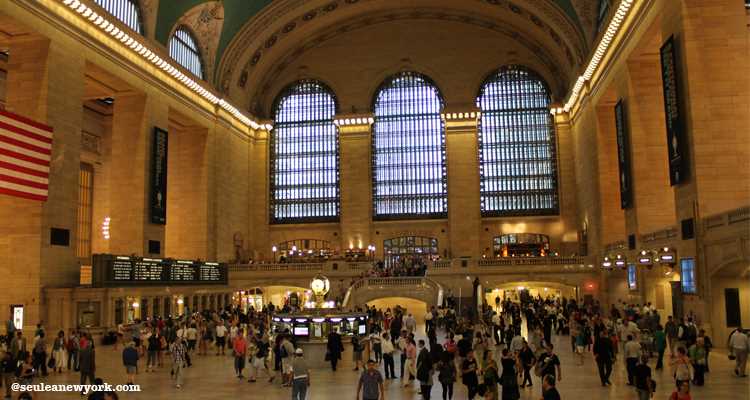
248, 45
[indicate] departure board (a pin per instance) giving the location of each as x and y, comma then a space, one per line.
111, 270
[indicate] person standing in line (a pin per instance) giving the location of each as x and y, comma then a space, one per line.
424, 370
239, 347
130, 361
469, 374
739, 345
644, 385
300, 376
549, 391
221, 339
632, 352
387, 348
86, 360
370, 384
179, 351
447, 374
527, 359
334, 348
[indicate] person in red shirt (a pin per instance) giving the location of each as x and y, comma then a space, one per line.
239, 346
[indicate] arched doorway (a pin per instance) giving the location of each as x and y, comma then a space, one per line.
417, 308
730, 299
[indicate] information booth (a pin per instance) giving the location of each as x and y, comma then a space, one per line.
311, 327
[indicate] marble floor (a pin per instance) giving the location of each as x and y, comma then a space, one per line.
211, 377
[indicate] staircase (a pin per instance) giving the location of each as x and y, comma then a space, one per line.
368, 289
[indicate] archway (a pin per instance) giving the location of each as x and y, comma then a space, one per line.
730, 299
417, 308
519, 289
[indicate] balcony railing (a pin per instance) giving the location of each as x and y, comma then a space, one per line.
532, 261
410, 283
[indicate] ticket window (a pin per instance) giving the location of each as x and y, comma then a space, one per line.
319, 328
301, 328
338, 324
282, 324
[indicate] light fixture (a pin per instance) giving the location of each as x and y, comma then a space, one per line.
180, 301
621, 261
105, 228
607, 263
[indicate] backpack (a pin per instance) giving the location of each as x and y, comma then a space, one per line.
39, 347
262, 350
282, 351
450, 347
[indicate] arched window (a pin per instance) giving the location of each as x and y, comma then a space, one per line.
127, 11
304, 155
409, 174
517, 162
183, 48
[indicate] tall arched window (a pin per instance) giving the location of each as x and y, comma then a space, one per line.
183, 48
127, 11
409, 174
304, 155
517, 162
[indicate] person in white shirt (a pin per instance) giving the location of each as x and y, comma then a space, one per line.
387, 348
516, 344
191, 334
221, 332
632, 352
410, 323
739, 344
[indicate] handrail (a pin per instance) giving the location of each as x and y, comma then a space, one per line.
510, 261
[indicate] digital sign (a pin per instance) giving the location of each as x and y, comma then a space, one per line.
112, 270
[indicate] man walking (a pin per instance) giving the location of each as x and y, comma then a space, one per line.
632, 355
604, 354
179, 350
300, 376
739, 345
388, 356
424, 370
370, 383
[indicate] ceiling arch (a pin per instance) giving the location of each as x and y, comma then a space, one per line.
287, 29
239, 12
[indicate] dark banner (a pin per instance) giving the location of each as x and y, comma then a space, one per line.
158, 196
676, 137
623, 156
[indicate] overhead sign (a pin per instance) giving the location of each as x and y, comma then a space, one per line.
110, 270
158, 194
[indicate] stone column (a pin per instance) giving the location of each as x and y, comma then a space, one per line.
464, 214
259, 230
356, 181
45, 82
134, 118
566, 185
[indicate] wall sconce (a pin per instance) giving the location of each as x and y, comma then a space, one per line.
607, 263
105, 228
620, 261
646, 258
667, 256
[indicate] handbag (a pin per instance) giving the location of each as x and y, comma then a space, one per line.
328, 355
51, 363
731, 355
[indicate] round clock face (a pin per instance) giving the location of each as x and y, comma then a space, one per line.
318, 285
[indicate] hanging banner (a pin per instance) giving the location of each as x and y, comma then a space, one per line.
158, 196
676, 137
623, 156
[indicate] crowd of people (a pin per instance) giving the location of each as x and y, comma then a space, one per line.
404, 266
493, 355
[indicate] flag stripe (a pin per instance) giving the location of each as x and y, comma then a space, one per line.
22, 188
24, 145
19, 168
27, 121
24, 157
31, 178
7, 125
25, 182
24, 195
15, 161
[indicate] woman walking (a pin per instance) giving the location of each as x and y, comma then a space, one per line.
58, 351
447, 374
509, 378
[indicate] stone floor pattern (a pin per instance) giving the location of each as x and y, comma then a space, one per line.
212, 377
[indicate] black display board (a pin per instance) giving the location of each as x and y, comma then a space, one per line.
676, 136
158, 194
112, 271
623, 156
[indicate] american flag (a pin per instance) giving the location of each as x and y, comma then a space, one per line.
25, 152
